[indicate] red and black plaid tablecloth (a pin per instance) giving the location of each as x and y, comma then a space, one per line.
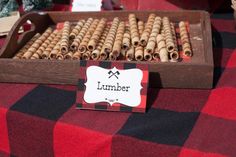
41, 120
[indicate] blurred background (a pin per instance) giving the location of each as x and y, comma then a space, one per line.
11, 10
6, 6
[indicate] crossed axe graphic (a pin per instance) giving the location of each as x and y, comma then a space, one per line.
113, 74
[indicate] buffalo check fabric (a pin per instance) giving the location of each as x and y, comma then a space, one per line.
41, 120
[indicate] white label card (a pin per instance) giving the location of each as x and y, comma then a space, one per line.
86, 5
113, 86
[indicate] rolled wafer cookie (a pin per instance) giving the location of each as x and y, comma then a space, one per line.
185, 39
163, 55
118, 40
134, 30
50, 47
64, 43
160, 42
26, 47
97, 34
75, 44
168, 34
108, 44
187, 49
42, 48
76, 55
55, 51
75, 31
156, 55
126, 39
83, 45
161, 47
60, 56
147, 31
34, 47
147, 56
69, 55
130, 54
96, 53
174, 55
112, 57
140, 27
152, 39
86, 55
103, 54
139, 54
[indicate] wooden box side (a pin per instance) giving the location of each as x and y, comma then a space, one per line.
41, 71
175, 16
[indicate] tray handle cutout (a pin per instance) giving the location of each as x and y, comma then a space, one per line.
40, 22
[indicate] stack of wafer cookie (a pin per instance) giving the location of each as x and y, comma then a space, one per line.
152, 39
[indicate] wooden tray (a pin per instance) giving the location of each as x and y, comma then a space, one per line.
196, 73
